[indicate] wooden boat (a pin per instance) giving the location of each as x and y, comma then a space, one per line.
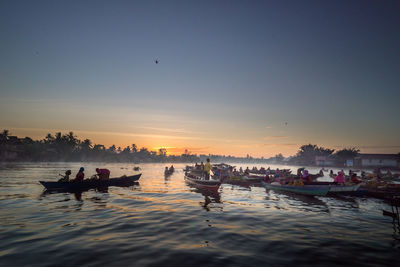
382, 193
313, 190
91, 183
336, 188
212, 185
343, 188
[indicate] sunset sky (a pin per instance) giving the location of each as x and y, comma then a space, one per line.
234, 77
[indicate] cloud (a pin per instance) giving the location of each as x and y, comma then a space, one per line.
145, 135
282, 145
164, 129
275, 137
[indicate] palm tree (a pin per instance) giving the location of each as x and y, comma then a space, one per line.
49, 139
4, 136
6, 133
134, 148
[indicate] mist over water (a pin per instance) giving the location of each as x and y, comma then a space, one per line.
164, 222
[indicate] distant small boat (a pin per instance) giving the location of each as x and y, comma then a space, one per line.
200, 183
89, 183
168, 172
313, 190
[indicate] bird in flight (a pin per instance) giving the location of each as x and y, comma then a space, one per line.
156, 61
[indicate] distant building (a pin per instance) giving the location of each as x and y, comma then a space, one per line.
323, 161
377, 160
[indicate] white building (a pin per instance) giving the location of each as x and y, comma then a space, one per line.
377, 160
323, 161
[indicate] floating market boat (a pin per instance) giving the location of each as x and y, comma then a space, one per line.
212, 185
91, 183
335, 188
242, 180
313, 190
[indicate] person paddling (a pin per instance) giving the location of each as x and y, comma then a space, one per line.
104, 174
65, 178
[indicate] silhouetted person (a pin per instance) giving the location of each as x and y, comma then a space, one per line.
80, 175
104, 174
65, 178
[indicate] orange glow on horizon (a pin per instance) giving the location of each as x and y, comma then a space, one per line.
191, 145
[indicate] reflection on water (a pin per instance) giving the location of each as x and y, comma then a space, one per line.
289, 200
209, 197
163, 221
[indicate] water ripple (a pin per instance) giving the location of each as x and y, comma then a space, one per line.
163, 221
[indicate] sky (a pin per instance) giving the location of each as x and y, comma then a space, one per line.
234, 77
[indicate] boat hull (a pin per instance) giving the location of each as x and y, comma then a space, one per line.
87, 184
314, 190
212, 185
336, 188
344, 188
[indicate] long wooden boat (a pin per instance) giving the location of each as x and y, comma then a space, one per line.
89, 183
335, 188
212, 185
313, 190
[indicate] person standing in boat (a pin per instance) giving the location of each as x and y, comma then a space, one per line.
104, 174
80, 175
202, 166
207, 169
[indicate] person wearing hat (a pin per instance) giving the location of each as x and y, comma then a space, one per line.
65, 178
80, 175
104, 174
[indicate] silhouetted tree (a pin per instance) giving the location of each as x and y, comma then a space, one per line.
4, 136
134, 148
345, 154
307, 153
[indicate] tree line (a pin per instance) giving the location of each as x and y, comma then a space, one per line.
307, 155
68, 147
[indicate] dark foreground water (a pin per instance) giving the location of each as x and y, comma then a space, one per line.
164, 222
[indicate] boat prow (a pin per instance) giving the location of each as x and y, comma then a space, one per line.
212, 185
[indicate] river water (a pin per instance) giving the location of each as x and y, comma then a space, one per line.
164, 222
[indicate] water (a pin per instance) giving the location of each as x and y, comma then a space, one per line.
164, 222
